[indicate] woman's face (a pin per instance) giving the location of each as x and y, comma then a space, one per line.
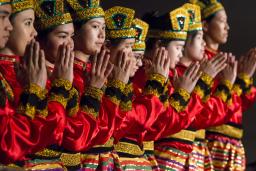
5, 25
194, 48
91, 37
217, 29
175, 49
62, 34
23, 31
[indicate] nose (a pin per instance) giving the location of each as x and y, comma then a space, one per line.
227, 26
9, 26
102, 33
34, 32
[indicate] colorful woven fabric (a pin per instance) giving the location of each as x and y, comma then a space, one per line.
152, 159
172, 159
227, 153
201, 156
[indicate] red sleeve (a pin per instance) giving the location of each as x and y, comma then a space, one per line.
20, 135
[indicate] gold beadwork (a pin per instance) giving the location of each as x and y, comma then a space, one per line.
91, 10
5, 2
119, 22
109, 143
70, 159
237, 89
48, 153
125, 33
228, 130
94, 92
129, 148
21, 5
200, 134
148, 145
57, 17
126, 106
117, 84
222, 95
141, 28
158, 77
7, 87
175, 102
184, 135
184, 93
73, 110
199, 91
207, 79
37, 90
195, 17
228, 84
58, 98
208, 8
246, 78
167, 34
62, 83
90, 111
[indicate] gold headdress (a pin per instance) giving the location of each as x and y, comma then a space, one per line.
194, 12
4, 2
208, 7
179, 20
141, 28
21, 5
86, 9
51, 13
119, 23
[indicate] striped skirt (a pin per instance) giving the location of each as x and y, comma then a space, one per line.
171, 159
200, 157
227, 154
99, 161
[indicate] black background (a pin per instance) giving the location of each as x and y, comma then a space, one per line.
242, 36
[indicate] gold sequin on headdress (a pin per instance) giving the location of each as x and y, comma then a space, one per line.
194, 12
141, 28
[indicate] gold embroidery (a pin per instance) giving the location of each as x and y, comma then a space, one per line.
62, 83
184, 135
207, 79
200, 134
94, 92
37, 90
129, 148
109, 143
71, 159
89, 111
18, 6
62, 100
148, 145
184, 93
228, 130
117, 84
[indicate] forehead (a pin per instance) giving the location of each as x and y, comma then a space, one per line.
97, 20
69, 28
6, 9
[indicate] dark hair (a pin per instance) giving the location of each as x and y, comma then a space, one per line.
209, 18
190, 37
158, 22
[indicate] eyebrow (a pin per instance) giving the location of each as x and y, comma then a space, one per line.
4, 12
98, 22
28, 19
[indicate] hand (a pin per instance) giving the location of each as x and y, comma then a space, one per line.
189, 79
63, 68
247, 64
213, 66
122, 70
147, 64
160, 63
101, 68
230, 71
34, 65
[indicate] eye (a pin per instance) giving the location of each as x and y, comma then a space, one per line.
95, 26
28, 23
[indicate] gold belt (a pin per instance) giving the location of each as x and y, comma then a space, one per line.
109, 143
228, 130
184, 135
148, 145
128, 148
200, 134
67, 159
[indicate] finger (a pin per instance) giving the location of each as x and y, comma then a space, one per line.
124, 60
167, 63
36, 55
100, 60
155, 55
221, 67
191, 71
195, 72
63, 54
94, 63
188, 69
31, 52
159, 56
71, 61
163, 57
105, 63
109, 69
175, 74
67, 55
120, 58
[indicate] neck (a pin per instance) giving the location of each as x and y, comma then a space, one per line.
6, 51
211, 44
82, 56
186, 61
